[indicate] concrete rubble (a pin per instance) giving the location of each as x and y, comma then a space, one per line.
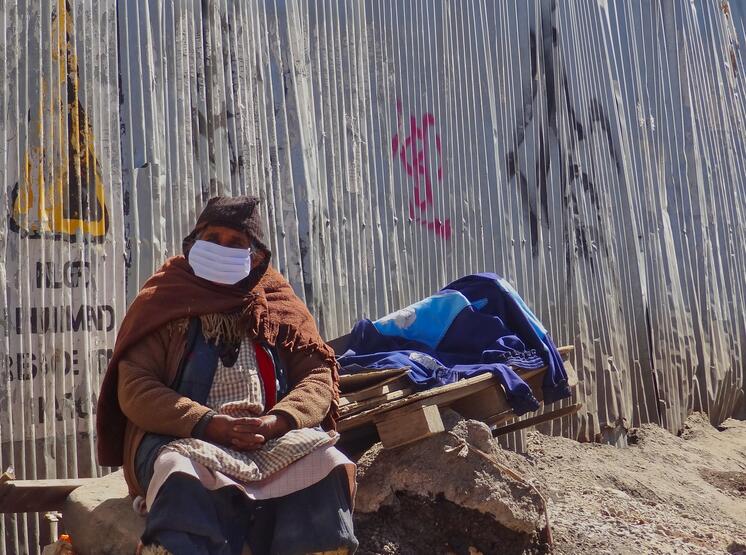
100, 519
464, 466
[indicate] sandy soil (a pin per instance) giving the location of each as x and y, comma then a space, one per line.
664, 494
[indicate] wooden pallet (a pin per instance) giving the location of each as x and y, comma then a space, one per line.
404, 420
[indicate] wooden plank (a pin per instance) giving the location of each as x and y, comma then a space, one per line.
482, 404
360, 380
565, 351
534, 420
22, 496
388, 385
491, 401
355, 408
401, 428
500, 418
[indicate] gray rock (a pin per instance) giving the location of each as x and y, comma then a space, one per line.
100, 519
451, 465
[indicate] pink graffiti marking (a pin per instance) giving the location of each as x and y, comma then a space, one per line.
414, 153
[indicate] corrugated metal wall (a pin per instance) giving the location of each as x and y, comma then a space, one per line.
591, 152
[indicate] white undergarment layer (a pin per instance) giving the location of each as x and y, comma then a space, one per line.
301, 474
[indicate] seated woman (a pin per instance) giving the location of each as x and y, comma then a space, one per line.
219, 402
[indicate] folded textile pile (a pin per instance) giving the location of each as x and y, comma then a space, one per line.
475, 325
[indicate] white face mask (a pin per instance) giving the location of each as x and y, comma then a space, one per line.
220, 264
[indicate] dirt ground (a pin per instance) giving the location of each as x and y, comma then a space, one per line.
664, 494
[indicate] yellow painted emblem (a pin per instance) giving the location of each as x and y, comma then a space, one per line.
60, 190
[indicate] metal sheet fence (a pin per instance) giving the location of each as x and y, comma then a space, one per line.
592, 153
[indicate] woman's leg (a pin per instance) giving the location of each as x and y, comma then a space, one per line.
316, 519
188, 519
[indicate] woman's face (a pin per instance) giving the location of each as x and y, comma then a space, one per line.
229, 237
225, 236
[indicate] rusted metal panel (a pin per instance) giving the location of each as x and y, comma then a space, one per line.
592, 153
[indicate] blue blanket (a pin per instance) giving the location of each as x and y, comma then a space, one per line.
474, 325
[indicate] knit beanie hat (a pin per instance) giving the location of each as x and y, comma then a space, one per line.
239, 213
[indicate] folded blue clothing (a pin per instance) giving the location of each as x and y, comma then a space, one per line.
474, 325
370, 349
425, 321
504, 302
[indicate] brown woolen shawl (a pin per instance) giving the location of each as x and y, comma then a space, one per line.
270, 312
